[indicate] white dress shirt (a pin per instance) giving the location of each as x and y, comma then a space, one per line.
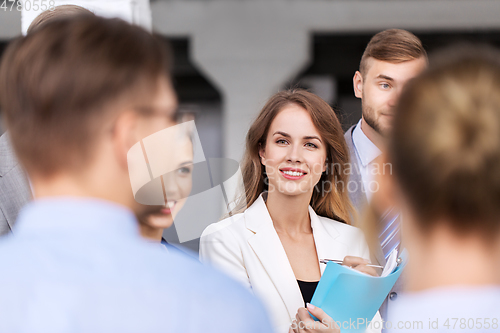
366, 153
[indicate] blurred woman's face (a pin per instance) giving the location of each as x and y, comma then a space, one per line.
176, 184
295, 154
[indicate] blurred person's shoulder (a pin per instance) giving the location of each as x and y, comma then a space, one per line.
447, 308
217, 294
143, 279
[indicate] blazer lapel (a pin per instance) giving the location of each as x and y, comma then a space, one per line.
15, 191
268, 248
359, 200
326, 240
358, 197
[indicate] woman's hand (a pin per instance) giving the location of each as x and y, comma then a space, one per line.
359, 264
303, 322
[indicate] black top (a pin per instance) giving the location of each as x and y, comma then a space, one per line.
307, 289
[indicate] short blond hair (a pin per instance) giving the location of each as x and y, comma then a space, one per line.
392, 45
60, 83
446, 142
56, 13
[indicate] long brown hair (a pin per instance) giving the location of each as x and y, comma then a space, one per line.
333, 203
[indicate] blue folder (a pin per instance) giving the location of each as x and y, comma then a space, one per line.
349, 296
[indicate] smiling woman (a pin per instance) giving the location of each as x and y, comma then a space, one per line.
311, 120
294, 212
176, 183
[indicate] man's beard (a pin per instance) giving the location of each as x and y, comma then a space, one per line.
369, 117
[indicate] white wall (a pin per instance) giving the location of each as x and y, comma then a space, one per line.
248, 49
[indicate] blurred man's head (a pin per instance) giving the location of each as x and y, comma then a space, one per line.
391, 58
77, 94
446, 145
58, 12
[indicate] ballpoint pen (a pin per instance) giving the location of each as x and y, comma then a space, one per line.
325, 261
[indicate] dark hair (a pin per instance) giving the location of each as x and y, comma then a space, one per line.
446, 141
335, 203
392, 45
61, 82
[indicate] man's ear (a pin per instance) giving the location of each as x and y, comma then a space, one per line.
124, 135
262, 154
357, 82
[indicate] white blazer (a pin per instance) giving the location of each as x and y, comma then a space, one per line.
247, 247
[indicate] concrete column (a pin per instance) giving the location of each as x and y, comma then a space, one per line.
248, 49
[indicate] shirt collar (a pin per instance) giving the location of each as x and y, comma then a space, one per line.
70, 215
367, 151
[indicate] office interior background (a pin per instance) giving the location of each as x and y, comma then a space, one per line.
232, 55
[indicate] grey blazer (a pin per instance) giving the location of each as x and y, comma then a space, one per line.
358, 199
14, 187
355, 185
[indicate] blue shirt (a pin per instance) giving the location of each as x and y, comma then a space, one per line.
447, 309
79, 265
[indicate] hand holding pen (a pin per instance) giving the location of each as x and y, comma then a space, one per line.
357, 263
